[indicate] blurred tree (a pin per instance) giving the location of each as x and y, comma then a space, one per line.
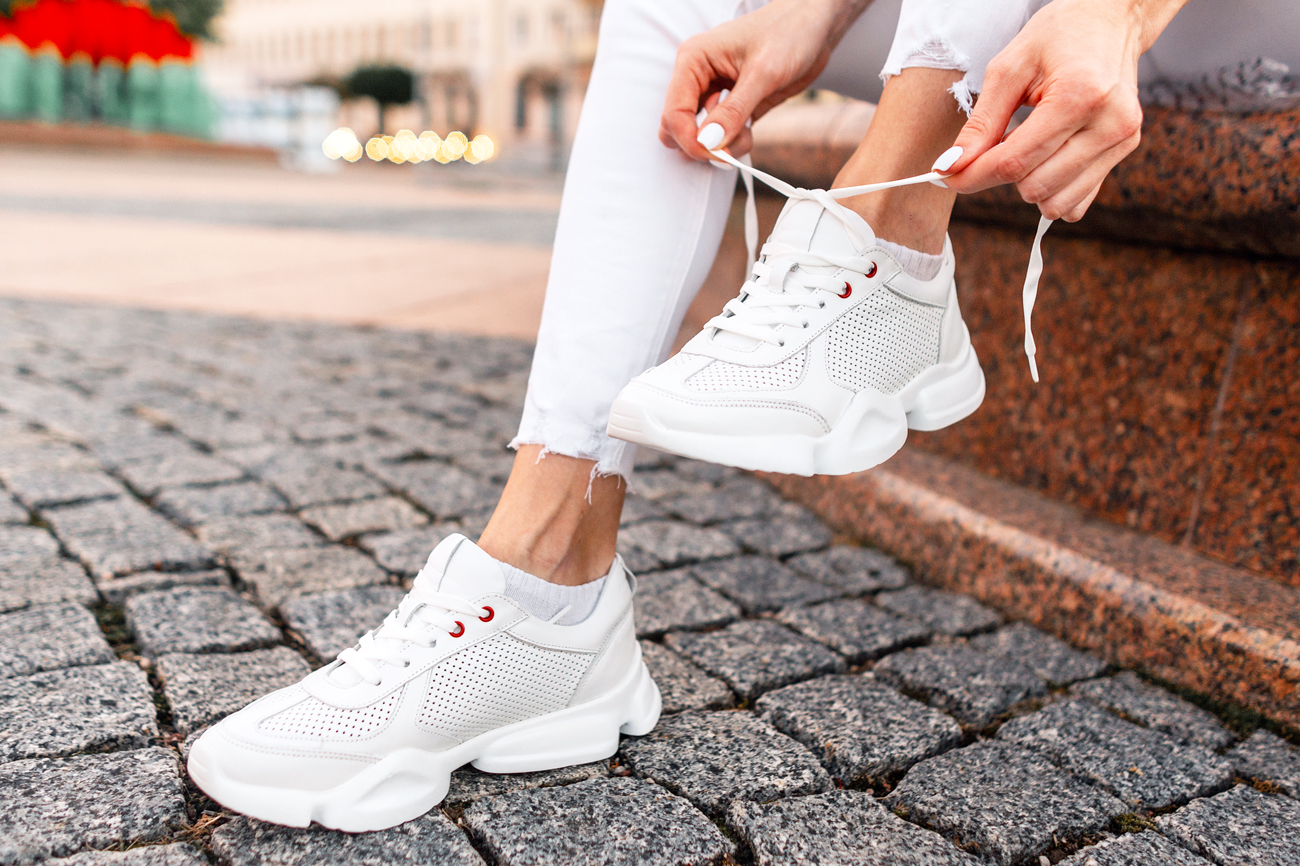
193, 17
386, 85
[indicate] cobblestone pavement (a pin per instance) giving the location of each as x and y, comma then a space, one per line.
197, 509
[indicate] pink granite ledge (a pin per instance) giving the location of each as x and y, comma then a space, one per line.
1135, 601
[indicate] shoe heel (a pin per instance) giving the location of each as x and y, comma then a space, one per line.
644, 708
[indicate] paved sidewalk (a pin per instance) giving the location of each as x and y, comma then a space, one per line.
196, 509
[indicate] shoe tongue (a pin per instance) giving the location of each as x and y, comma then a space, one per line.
460, 567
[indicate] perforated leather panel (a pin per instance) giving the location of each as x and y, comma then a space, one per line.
883, 343
725, 376
317, 720
498, 682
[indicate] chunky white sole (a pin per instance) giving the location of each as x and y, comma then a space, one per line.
409, 782
869, 432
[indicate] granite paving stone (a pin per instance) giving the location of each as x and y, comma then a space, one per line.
63, 808
430, 840
257, 532
1145, 768
44, 488
851, 570
860, 730
155, 473
1268, 758
973, 687
945, 612
386, 514
11, 511
716, 758
47, 580
663, 483
759, 584
194, 505
855, 629
491, 465
440, 488
639, 561
676, 543
1142, 849
407, 550
668, 600
636, 509
333, 621
119, 536
755, 656
736, 499
117, 590
204, 688
682, 685
1156, 708
306, 479
175, 854
197, 620
791, 530
48, 637
838, 828
60, 712
1051, 658
1239, 827
469, 784
1000, 802
26, 543
279, 575
600, 822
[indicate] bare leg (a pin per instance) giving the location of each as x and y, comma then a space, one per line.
916, 121
545, 523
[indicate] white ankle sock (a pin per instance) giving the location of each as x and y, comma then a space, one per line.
545, 600
915, 263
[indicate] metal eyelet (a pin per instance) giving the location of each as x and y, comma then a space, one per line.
460, 629
490, 613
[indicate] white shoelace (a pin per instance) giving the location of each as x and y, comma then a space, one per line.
420, 619
766, 301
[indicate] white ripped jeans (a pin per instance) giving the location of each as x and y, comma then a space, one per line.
640, 224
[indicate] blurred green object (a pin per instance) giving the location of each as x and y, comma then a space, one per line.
180, 107
385, 84
142, 92
110, 87
79, 90
193, 17
15, 80
47, 86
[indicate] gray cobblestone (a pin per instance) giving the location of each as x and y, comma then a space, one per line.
860, 730
11, 511
852, 570
441, 489
469, 784
248, 533
670, 600
755, 656
1002, 803
1267, 758
49, 637
386, 514
1240, 827
1156, 708
44, 488
407, 550
119, 536
675, 543
790, 530
1144, 768
117, 590
855, 629
26, 544
973, 687
1143, 849
333, 621
945, 612
306, 478
682, 685
194, 505
176, 854
197, 620
636, 509
204, 688
46, 580
663, 483
63, 808
714, 759
838, 828
74, 710
151, 475
601, 822
279, 575
760, 584
1051, 658
431, 840
736, 499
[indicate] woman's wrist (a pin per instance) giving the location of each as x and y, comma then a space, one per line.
1149, 18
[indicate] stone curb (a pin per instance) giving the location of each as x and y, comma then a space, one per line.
1098, 602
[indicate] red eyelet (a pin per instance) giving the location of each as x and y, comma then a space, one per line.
460, 629
848, 290
871, 273
490, 613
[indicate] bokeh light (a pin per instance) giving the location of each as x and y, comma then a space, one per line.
405, 146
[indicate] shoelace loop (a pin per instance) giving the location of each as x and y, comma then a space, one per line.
419, 619
770, 300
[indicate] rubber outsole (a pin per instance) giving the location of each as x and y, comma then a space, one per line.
409, 782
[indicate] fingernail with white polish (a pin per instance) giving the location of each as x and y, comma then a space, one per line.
946, 159
700, 117
711, 136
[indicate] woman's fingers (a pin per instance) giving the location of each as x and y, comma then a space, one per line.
1006, 83
1073, 184
1077, 212
695, 79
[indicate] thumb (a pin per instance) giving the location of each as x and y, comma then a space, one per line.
728, 118
1005, 87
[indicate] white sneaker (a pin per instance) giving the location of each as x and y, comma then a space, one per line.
820, 365
458, 674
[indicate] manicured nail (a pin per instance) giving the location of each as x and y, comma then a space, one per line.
946, 159
711, 136
700, 117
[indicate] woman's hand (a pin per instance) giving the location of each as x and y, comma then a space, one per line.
1076, 63
762, 58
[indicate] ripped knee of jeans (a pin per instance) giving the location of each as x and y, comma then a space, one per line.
937, 53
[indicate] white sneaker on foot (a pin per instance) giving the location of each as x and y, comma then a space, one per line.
820, 365
459, 673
